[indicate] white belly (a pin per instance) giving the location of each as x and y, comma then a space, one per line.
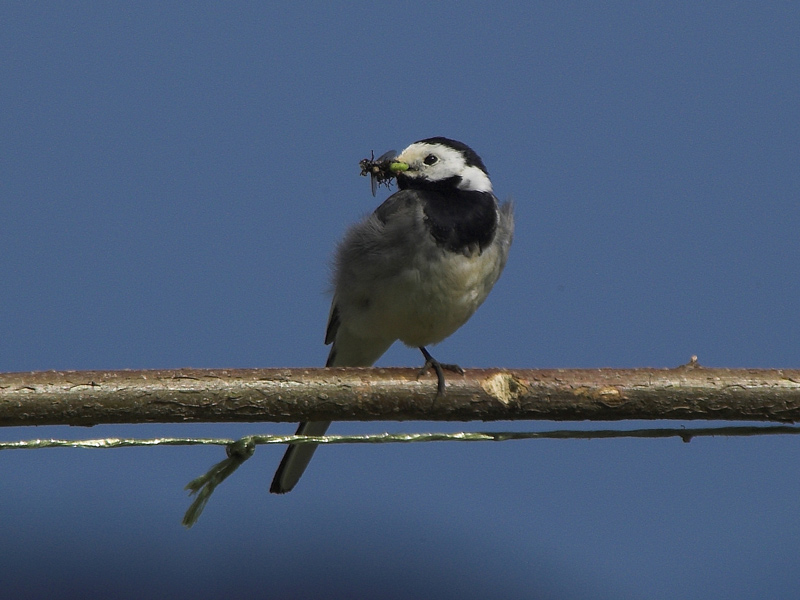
428, 301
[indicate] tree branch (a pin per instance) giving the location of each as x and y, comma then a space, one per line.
250, 395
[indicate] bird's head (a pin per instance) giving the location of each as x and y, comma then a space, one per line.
440, 164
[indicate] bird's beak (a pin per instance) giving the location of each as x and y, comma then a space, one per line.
398, 167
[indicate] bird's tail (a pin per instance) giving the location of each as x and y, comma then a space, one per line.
347, 351
297, 457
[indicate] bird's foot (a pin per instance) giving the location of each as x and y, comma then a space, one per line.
439, 368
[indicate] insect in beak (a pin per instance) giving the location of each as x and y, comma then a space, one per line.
379, 170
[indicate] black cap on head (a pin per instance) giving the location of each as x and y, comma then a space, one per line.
472, 159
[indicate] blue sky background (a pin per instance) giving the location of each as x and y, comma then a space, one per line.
174, 177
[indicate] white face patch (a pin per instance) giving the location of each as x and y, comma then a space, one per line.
437, 162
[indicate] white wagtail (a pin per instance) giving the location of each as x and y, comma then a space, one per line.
414, 270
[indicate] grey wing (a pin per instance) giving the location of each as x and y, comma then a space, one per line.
505, 228
334, 321
333, 325
398, 204
362, 256
378, 246
371, 252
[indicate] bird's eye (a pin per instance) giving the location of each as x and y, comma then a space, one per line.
431, 159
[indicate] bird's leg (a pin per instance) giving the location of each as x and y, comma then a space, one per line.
432, 363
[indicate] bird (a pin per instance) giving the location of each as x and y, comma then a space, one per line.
415, 270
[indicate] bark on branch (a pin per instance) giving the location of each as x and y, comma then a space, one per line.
251, 395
